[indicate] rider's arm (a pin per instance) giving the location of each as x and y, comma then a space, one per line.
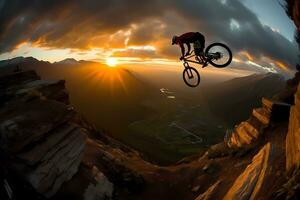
182, 48
189, 48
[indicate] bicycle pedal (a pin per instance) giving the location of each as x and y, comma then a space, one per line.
205, 65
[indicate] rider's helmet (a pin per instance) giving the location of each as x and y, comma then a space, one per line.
174, 39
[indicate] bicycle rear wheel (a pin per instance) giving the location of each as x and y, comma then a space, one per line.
220, 53
191, 76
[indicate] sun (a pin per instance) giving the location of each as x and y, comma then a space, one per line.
112, 62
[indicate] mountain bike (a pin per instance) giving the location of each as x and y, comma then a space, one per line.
217, 54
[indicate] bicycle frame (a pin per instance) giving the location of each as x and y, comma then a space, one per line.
188, 59
201, 59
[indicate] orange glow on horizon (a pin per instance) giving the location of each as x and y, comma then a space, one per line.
249, 57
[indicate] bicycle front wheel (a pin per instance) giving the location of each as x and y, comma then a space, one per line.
191, 76
221, 55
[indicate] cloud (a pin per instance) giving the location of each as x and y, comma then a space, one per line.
91, 24
138, 53
68, 23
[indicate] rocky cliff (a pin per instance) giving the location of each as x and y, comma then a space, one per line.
247, 133
37, 129
260, 143
39, 135
293, 136
50, 151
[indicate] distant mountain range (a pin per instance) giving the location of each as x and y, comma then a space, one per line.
31, 60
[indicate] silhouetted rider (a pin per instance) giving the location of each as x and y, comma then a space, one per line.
196, 38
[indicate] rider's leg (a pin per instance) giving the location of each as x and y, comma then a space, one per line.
199, 55
201, 39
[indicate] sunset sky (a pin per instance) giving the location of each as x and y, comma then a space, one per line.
259, 33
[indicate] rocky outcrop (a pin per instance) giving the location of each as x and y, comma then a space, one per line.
114, 158
39, 132
246, 133
248, 184
16, 85
50, 147
293, 136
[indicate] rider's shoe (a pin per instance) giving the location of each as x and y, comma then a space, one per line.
205, 64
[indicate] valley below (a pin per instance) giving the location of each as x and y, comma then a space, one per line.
152, 110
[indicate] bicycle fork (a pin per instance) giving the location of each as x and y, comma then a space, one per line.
188, 69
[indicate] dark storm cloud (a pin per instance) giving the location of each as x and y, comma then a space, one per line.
82, 24
68, 23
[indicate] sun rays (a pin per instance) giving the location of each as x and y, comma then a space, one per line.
110, 77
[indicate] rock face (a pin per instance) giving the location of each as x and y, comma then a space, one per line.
293, 136
52, 149
248, 184
37, 128
247, 132
102, 189
113, 159
209, 193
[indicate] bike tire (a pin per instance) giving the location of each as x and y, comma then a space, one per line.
225, 47
196, 73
